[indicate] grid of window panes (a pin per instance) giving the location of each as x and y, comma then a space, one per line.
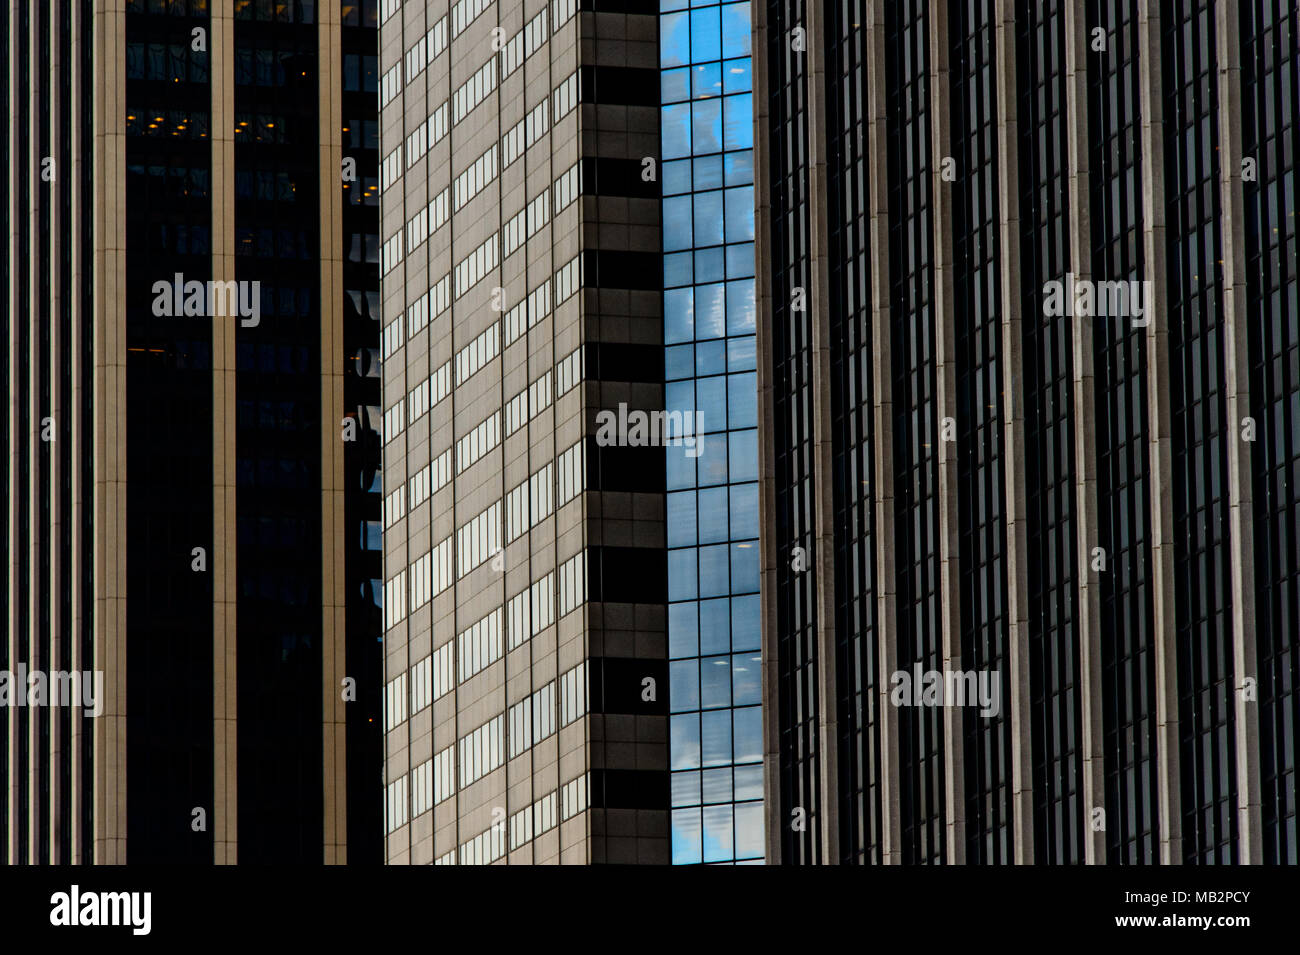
1126, 624
852, 390
1202, 596
1049, 441
359, 228
278, 414
167, 229
797, 698
980, 496
712, 519
916, 428
1270, 65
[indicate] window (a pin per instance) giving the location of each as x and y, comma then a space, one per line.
444, 779
568, 279
436, 38
390, 85
571, 475
479, 647
471, 269
390, 169
482, 751
564, 98
474, 90
395, 702
518, 620
483, 438
477, 354
420, 581
573, 583
573, 694
395, 507
475, 178
568, 372
443, 680
395, 805
478, 540
573, 797
567, 188
421, 788
392, 338
421, 685
416, 59
395, 600
390, 256
464, 12
561, 11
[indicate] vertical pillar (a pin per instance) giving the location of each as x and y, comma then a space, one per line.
225, 672
1241, 537
1013, 429
882, 429
823, 466
946, 403
109, 441
1160, 441
333, 497
1087, 529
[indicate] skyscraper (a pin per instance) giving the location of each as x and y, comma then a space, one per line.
191, 500
714, 633
1030, 406
526, 577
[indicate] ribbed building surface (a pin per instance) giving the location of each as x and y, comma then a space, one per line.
976, 456
526, 697
191, 499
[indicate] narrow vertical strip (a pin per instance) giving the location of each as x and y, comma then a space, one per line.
1160, 437
767, 507
1241, 534
1087, 526
75, 853
1013, 429
33, 316
55, 745
946, 401
109, 163
883, 429
224, 819
333, 560
822, 441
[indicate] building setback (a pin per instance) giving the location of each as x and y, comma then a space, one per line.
525, 571
192, 502
1100, 509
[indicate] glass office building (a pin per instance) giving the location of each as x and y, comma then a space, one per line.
196, 523
715, 743
1094, 503
525, 573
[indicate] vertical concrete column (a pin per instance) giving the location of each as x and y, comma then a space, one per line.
77, 449
51, 117
1013, 428
225, 671
109, 442
823, 469
1084, 420
1160, 446
333, 477
1241, 542
37, 105
946, 404
768, 556
13, 215
882, 429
